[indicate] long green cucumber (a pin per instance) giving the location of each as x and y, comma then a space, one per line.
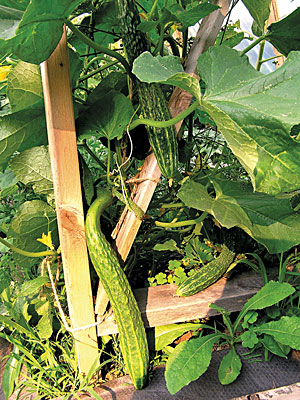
132, 335
207, 275
151, 98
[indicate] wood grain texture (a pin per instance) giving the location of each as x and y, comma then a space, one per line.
274, 17
159, 305
68, 200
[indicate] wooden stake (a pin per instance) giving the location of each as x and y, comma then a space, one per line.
274, 17
68, 200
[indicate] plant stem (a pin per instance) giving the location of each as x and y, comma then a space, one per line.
260, 55
182, 223
164, 124
98, 47
172, 205
28, 253
253, 44
89, 151
152, 9
96, 71
109, 154
270, 58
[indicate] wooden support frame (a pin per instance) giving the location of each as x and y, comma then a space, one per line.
68, 200
159, 305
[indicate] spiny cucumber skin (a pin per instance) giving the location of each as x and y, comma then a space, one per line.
151, 98
163, 141
132, 334
207, 275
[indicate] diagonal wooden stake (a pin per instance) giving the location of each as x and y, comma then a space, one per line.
68, 200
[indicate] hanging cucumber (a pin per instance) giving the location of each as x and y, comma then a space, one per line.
207, 275
132, 335
151, 98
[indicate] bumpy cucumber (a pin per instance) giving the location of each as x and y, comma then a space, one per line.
151, 98
207, 275
132, 335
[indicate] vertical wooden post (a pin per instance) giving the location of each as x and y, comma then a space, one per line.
274, 17
68, 200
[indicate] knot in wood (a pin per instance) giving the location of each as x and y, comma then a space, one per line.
71, 220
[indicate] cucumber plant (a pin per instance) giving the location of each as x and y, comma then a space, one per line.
116, 90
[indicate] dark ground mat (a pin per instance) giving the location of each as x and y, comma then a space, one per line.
255, 377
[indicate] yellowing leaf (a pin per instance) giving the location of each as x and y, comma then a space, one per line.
46, 240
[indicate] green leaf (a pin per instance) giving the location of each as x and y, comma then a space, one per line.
17, 4
198, 252
260, 11
167, 70
268, 219
14, 326
33, 286
107, 117
33, 218
191, 15
40, 29
188, 361
230, 367
274, 347
249, 339
9, 21
285, 331
24, 86
254, 116
7, 184
168, 245
11, 373
270, 294
161, 278
166, 334
44, 326
250, 317
284, 34
32, 167
20, 131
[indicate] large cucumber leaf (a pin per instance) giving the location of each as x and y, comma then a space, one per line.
284, 34
24, 86
39, 30
106, 117
32, 167
167, 70
260, 11
33, 218
248, 107
255, 113
20, 131
9, 21
268, 219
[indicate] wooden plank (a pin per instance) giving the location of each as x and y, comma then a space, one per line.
159, 305
68, 200
290, 392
